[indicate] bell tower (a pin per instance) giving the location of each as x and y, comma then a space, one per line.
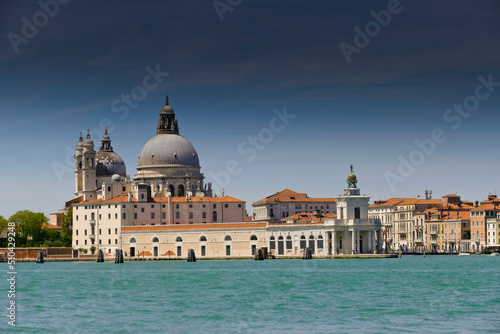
79, 167
88, 170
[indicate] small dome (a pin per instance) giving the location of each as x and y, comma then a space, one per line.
116, 178
167, 109
88, 141
109, 163
167, 150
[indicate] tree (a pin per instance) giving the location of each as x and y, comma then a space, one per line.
3, 222
67, 228
28, 227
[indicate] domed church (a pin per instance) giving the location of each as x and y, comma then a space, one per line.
168, 165
169, 162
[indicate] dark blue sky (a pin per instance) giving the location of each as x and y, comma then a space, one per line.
226, 77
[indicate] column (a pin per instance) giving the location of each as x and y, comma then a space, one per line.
358, 250
334, 241
353, 242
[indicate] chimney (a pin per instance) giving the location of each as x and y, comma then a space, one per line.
476, 204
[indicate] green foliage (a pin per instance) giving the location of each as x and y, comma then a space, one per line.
67, 228
3, 222
29, 227
92, 249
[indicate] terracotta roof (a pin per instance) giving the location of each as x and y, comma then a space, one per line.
487, 207
52, 226
288, 195
148, 228
307, 217
417, 201
450, 195
388, 202
458, 215
124, 199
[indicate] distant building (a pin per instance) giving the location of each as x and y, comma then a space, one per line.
287, 203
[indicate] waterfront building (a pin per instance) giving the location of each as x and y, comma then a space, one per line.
493, 231
167, 190
479, 217
207, 240
287, 203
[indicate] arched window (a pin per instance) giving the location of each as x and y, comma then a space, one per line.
132, 240
320, 241
155, 239
180, 191
288, 242
171, 189
281, 246
214, 216
302, 241
280, 238
228, 238
311, 243
311, 237
272, 243
178, 239
253, 237
203, 238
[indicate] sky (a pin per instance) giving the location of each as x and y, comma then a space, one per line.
272, 94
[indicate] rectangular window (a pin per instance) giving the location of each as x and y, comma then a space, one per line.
190, 215
100, 232
152, 206
215, 206
177, 215
109, 215
85, 232
177, 206
164, 215
179, 250
204, 205
228, 250
109, 241
124, 215
135, 215
123, 189
76, 217
116, 231
142, 209
203, 251
190, 206
76, 231
76, 241
109, 231
85, 242
204, 215
239, 205
152, 215
116, 241
357, 213
85, 217
225, 205
123, 206
163, 206
116, 216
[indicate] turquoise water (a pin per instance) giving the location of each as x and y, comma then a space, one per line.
446, 294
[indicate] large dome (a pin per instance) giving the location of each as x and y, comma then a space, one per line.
166, 150
110, 163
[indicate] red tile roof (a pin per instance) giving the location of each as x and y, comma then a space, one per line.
288, 195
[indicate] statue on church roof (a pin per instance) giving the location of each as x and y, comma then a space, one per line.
352, 180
